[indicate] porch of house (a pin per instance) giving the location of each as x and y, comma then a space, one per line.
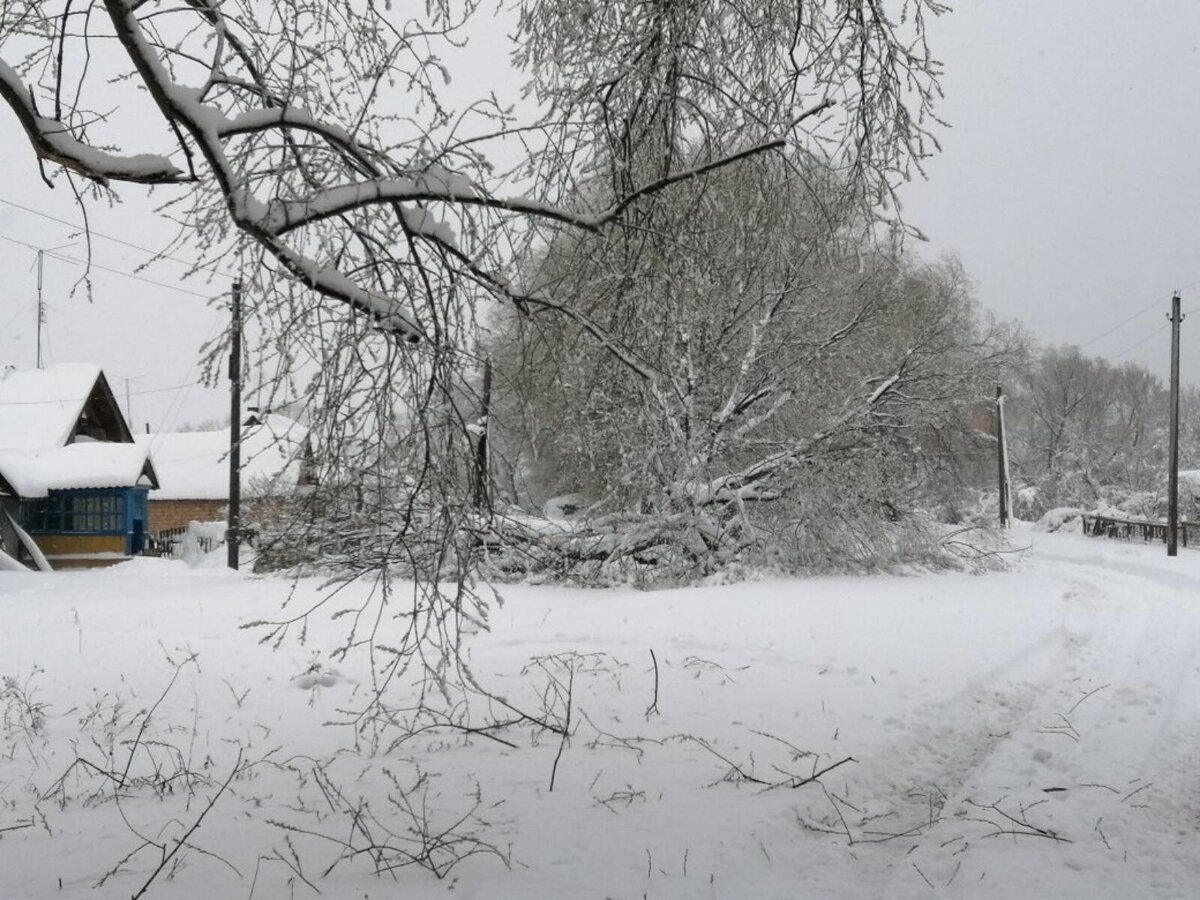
87, 527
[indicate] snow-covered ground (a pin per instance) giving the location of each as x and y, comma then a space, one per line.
1028, 734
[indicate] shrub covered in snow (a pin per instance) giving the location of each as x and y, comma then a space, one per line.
1061, 518
199, 541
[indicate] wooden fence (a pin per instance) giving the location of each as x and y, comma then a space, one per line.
1131, 529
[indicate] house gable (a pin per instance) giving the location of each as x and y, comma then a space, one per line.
100, 419
40, 408
148, 477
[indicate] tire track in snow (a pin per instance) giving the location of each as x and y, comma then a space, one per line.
1112, 736
908, 782
1154, 718
1147, 657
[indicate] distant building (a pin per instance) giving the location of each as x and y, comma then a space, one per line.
71, 474
275, 458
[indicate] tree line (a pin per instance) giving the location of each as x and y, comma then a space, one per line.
1089, 432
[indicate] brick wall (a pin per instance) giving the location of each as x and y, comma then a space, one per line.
166, 514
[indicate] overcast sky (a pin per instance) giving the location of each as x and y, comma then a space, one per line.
1069, 185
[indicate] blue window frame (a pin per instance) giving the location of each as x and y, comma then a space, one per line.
78, 512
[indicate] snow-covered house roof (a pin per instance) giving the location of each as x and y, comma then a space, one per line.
34, 473
62, 429
39, 408
194, 465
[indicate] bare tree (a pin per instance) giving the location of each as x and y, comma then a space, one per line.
782, 343
1086, 430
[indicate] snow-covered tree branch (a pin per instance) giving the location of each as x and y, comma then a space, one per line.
264, 109
53, 141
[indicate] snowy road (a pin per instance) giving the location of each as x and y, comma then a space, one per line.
1089, 733
1026, 734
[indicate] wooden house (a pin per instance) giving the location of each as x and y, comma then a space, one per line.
71, 475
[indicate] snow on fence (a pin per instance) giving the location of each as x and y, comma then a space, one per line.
187, 541
1131, 529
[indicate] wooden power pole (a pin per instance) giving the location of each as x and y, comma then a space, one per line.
234, 520
1173, 463
1002, 461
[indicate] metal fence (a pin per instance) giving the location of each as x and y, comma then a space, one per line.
1131, 529
169, 542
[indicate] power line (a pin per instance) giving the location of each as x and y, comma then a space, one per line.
116, 240
177, 403
1164, 298
163, 390
95, 265
1145, 309
1155, 333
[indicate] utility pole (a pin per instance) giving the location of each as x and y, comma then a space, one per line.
1176, 318
234, 521
1002, 461
483, 480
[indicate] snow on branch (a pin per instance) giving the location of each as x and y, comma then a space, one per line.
205, 124
884, 386
435, 184
52, 140
440, 185
749, 482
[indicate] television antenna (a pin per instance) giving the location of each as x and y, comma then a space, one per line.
41, 304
